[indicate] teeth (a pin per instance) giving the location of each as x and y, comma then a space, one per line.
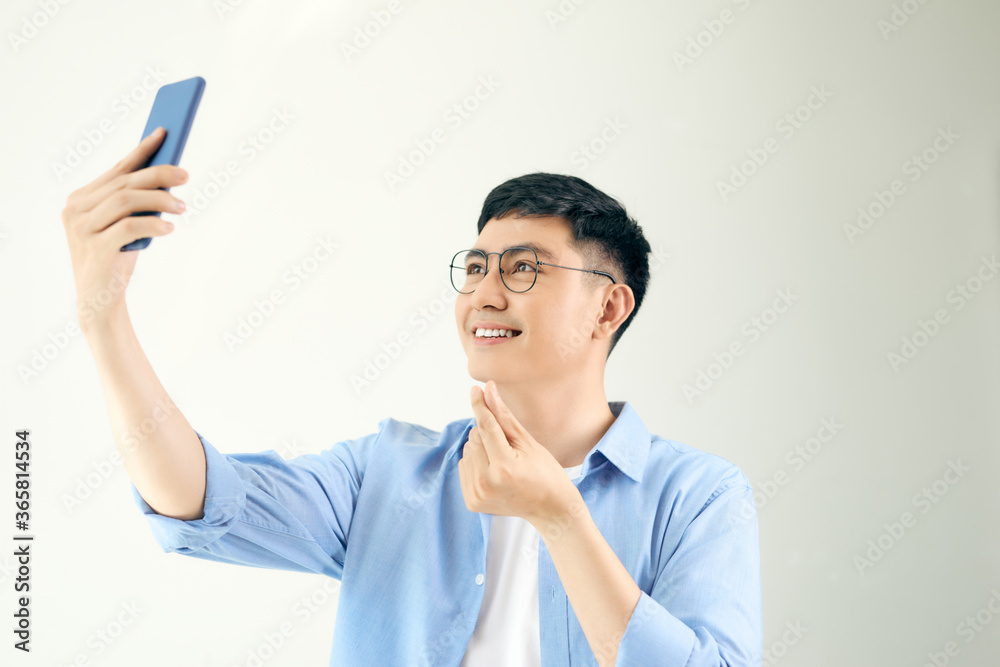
494, 333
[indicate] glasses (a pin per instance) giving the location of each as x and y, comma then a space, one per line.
518, 269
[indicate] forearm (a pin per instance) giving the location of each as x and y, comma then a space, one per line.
600, 589
159, 448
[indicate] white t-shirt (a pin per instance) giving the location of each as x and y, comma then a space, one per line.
506, 633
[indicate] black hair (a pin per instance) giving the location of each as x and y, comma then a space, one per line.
603, 232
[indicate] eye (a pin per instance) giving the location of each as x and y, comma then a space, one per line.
526, 265
473, 268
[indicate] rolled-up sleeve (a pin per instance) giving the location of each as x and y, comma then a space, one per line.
705, 607
263, 511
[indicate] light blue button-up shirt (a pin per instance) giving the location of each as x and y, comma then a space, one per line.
385, 515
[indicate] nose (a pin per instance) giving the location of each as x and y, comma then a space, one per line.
490, 291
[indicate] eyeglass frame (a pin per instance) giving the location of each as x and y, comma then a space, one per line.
486, 255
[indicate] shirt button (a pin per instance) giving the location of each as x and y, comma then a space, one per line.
480, 579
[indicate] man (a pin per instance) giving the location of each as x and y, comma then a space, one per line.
551, 528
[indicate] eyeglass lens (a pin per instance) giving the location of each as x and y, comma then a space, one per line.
519, 267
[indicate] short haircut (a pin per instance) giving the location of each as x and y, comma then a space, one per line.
604, 234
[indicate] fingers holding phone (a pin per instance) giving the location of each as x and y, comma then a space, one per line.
98, 220
119, 211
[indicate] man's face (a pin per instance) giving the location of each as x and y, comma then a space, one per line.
556, 317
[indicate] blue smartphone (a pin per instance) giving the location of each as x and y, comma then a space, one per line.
173, 109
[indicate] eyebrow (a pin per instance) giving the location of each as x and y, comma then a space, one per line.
539, 250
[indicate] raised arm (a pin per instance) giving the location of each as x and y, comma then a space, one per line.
159, 448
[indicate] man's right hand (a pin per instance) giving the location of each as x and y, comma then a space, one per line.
97, 224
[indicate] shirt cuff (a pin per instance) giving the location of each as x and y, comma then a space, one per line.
225, 498
655, 636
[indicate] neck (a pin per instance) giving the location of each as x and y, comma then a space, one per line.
567, 416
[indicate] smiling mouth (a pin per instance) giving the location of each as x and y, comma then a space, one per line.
496, 333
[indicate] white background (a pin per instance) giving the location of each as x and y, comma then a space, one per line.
562, 73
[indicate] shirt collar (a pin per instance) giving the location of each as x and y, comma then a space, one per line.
625, 444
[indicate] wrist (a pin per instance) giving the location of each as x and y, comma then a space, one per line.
97, 320
564, 513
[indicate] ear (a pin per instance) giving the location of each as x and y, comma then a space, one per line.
618, 304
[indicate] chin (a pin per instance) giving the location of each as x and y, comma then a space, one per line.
480, 374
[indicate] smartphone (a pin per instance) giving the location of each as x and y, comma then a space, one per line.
173, 109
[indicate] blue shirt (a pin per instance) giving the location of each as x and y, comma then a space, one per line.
385, 515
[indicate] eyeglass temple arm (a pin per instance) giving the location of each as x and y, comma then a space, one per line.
573, 268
